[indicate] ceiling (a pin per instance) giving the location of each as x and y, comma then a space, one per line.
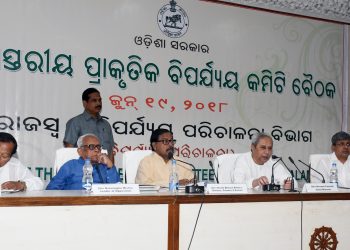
334, 10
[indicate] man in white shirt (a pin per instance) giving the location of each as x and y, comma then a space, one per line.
255, 168
340, 156
13, 174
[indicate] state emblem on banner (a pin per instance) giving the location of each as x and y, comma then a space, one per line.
173, 20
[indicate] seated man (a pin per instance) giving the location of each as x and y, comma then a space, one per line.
341, 150
155, 168
70, 175
13, 174
255, 168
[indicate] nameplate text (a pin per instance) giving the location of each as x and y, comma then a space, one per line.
115, 189
227, 189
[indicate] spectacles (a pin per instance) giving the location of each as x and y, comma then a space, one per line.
92, 146
343, 144
166, 141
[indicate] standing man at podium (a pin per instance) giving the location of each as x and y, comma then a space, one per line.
90, 121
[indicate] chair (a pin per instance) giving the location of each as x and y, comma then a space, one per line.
65, 154
224, 166
314, 160
131, 161
62, 156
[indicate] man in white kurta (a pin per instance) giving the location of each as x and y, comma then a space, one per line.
246, 171
15, 171
340, 156
13, 174
255, 168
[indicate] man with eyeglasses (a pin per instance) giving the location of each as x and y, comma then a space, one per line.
90, 121
254, 168
155, 168
340, 155
70, 175
13, 174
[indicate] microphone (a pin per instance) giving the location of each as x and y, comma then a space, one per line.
272, 186
310, 168
285, 165
171, 154
192, 189
216, 177
274, 157
295, 165
292, 183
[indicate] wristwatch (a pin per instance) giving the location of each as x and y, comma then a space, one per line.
24, 185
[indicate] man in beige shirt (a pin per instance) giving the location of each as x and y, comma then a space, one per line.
155, 168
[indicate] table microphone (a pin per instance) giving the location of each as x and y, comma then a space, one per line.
194, 188
295, 165
216, 177
292, 183
272, 186
310, 168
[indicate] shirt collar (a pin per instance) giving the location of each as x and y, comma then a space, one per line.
335, 158
88, 116
159, 157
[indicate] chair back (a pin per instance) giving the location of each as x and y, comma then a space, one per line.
314, 160
224, 166
62, 156
131, 161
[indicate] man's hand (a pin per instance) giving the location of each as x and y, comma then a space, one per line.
15, 185
104, 159
262, 180
287, 184
184, 182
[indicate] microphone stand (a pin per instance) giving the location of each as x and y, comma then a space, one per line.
295, 165
292, 189
193, 189
310, 168
272, 186
216, 176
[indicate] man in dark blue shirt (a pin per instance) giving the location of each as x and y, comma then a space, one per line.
70, 175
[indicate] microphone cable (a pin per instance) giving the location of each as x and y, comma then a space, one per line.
195, 225
301, 219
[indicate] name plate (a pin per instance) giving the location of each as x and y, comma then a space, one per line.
114, 189
320, 187
227, 189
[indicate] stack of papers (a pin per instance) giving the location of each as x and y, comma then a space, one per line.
149, 188
10, 190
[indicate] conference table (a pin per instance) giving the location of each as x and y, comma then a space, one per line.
160, 220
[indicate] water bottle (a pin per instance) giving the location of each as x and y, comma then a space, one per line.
333, 178
173, 178
87, 175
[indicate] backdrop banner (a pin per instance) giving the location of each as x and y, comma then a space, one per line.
213, 74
